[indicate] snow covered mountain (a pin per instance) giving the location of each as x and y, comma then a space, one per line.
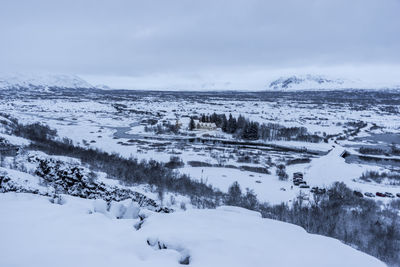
42, 82
304, 82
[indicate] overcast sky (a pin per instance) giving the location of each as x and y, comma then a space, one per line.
192, 39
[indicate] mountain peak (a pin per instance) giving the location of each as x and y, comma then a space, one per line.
303, 82
42, 81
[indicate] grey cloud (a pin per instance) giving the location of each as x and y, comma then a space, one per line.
141, 37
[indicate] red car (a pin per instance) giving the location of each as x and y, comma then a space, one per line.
379, 194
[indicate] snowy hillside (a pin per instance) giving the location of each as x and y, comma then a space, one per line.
42, 82
80, 232
322, 82
303, 82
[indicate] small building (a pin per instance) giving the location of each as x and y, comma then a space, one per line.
205, 125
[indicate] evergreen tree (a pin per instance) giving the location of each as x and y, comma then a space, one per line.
250, 200
214, 118
232, 125
234, 195
241, 122
253, 131
250, 131
192, 124
281, 172
224, 124
244, 131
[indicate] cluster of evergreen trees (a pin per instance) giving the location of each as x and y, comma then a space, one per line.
246, 129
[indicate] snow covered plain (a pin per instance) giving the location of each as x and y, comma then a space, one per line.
35, 232
115, 122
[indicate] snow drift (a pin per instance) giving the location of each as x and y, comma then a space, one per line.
35, 232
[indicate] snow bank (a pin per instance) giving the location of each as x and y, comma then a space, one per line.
225, 238
35, 232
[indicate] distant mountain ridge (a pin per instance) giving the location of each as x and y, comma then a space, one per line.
53, 82
308, 82
42, 82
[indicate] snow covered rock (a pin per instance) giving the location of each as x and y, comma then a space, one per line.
117, 209
127, 209
132, 211
54, 176
100, 206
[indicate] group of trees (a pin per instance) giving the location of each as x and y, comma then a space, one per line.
392, 177
241, 127
281, 172
393, 150
36, 131
163, 128
236, 198
246, 129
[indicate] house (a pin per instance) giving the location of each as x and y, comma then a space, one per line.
205, 125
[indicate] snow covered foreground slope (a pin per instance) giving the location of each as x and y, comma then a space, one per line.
35, 232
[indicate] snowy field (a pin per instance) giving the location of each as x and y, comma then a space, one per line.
151, 227
116, 123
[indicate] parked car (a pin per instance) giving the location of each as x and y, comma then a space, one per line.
304, 186
317, 190
387, 194
398, 194
321, 191
358, 193
298, 175
379, 194
314, 189
369, 194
